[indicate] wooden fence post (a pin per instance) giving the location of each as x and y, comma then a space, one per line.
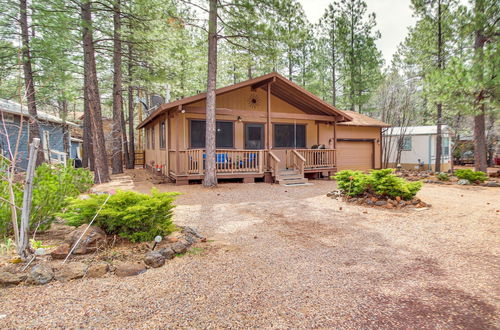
23, 247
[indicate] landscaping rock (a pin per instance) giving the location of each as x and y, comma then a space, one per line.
380, 203
40, 274
7, 278
167, 253
129, 269
61, 251
463, 182
154, 259
93, 239
97, 270
71, 271
194, 232
179, 247
491, 184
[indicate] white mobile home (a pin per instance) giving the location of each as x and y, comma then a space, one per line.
417, 146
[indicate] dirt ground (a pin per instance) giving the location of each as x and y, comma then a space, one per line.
290, 257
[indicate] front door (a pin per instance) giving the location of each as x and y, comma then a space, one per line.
254, 136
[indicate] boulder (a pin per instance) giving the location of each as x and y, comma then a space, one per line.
194, 232
71, 271
380, 203
40, 274
61, 251
8, 278
491, 184
190, 238
154, 259
129, 269
167, 253
97, 269
93, 239
463, 182
179, 247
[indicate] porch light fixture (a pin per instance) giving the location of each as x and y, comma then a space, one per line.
239, 119
183, 111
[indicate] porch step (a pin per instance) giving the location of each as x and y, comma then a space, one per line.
290, 177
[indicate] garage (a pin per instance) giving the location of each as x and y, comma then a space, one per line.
355, 154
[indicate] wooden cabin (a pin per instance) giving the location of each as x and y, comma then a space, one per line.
268, 128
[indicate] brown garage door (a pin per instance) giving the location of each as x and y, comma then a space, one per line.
354, 155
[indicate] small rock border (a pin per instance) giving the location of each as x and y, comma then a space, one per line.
371, 200
43, 273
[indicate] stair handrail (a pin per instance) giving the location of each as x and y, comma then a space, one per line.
273, 162
298, 161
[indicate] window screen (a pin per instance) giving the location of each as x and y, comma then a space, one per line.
153, 137
162, 135
407, 143
224, 134
289, 136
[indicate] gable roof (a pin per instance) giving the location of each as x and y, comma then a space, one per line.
281, 88
16, 109
359, 119
415, 130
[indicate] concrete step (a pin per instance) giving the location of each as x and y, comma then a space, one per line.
292, 180
289, 177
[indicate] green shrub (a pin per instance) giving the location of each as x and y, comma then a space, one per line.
52, 185
352, 183
137, 217
385, 183
51, 188
472, 176
443, 176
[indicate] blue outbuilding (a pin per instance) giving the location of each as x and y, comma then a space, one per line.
53, 133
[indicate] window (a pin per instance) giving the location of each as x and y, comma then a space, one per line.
153, 137
446, 146
289, 136
162, 135
407, 143
147, 138
254, 136
8, 117
224, 134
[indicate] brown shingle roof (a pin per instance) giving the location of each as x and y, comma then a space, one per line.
362, 120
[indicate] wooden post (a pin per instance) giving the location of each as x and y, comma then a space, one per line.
167, 136
335, 134
23, 248
177, 151
269, 144
139, 132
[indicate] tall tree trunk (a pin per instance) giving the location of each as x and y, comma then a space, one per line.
131, 128
63, 114
88, 151
126, 155
210, 179
117, 158
480, 148
334, 69
29, 83
101, 170
439, 137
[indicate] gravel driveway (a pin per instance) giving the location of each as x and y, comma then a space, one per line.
289, 257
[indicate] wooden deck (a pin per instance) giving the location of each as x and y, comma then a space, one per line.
189, 165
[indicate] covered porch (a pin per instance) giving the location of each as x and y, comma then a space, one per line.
249, 164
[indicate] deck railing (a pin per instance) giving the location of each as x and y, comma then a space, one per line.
192, 161
318, 158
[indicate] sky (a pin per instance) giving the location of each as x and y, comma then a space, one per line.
393, 19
